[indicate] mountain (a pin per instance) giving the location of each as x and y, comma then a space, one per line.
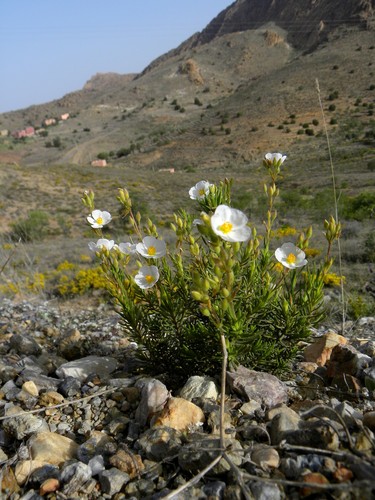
228, 91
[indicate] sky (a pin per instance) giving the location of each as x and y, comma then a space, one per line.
49, 48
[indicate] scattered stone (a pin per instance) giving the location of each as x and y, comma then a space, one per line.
266, 457
99, 443
24, 345
112, 481
369, 420
82, 368
199, 387
21, 424
154, 396
52, 448
127, 462
259, 386
73, 477
179, 414
159, 443
30, 387
25, 468
320, 350
49, 486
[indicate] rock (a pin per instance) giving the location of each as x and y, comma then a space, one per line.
49, 486
41, 381
24, 345
369, 375
265, 388
369, 420
30, 387
266, 457
320, 350
263, 491
154, 396
284, 420
9, 484
52, 448
112, 480
99, 443
73, 477
250, 407
159, 443
69, 387
82, 368
50, 398
196, 455
70, 345
214, 490
24, 424
199, 387
25, 468
127, 462
179, 414
96, 465
346, 359
312, 477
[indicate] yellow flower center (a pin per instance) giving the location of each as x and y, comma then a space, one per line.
226, 227
99, 220
151, 250
202, 192
149, 278
291, 259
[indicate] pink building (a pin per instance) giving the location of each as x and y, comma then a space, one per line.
27, 132
99, 163
49, 121
65, 116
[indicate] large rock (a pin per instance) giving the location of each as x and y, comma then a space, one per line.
179, 414
154, 396
82, 368
199, 387
320, 350
265, 388
21, 424
52, 448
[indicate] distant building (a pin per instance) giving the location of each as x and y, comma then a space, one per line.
65, 116
27, 132
4, 133
49, 121
170, 170
99, 163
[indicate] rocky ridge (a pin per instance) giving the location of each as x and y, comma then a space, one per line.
79, 422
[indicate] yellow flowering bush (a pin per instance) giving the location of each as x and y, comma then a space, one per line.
218, 279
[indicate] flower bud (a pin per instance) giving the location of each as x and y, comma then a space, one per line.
206, 312
196, 295
225, 292
206, 285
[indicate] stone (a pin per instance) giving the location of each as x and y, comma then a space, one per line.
22, 424
179, 414
214, 490
70, 344
346, 359
9, 484
284, 420
250, 407
30, 387
199, 387
154, 396
196, 455
96, 465
49, 486
263, 387
73, 477
369, 420
321, 349
23, 344
24, 469
312, 477
266, 457
70, 387
52, 448
112, 480
369, 375
128, 462
41, 381
80, 369
99, 443
50, 398
159, 443
263, 491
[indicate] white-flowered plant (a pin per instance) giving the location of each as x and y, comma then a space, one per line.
217, 279
100, 244
230, 224
200, 190
152, 248
97, 219
146, 277
290, 256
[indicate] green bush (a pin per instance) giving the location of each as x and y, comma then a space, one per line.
33, 228
359, 207
216, 281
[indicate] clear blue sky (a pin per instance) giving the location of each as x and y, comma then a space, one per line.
51, 47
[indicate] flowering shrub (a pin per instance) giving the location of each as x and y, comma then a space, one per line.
218, 278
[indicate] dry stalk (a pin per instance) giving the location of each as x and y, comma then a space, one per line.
335, 204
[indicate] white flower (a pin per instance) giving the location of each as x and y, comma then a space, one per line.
147, 276
275, 158
151, 247
290, 256
230, 224
200, 190
127, 248
100, 244
98, 219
